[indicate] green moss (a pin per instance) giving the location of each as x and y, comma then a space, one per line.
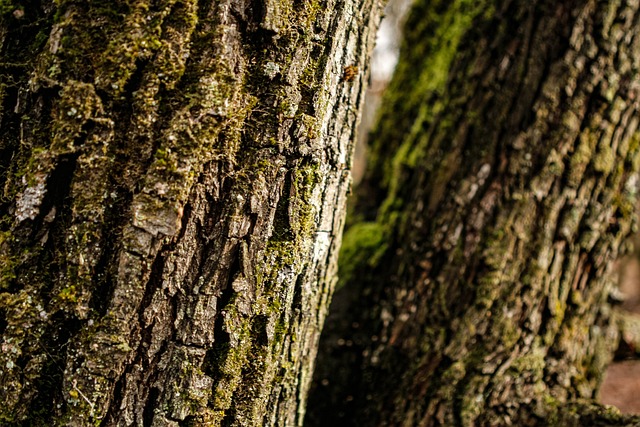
301, 210
23, 329
309, 126
8, 6
495, 249
605, 159
8, 261
581, 157
363, 245
634, 142
507, 332
231, 362
279, 253
450, 379
276, 15
624, 206
452, 25
68, 295
473, 401
531, 364
426, 68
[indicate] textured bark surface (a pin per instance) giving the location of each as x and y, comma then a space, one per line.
173, 180
502, 185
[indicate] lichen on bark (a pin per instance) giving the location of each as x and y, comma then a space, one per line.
173, 177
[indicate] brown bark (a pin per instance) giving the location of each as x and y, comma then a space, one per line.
174, 176
503, 184
629, 329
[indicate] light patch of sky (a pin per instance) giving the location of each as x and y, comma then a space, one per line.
385, 53
383, 63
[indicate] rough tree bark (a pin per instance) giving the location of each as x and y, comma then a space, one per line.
502, 185
173, 178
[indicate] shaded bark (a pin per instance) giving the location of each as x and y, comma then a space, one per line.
173, 180
503, 184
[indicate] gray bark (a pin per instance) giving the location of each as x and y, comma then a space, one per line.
503, 184
173, 180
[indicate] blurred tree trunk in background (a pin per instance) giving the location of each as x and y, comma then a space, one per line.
173, 179
502, 183
384, 59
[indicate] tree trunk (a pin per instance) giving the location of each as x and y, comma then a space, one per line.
503, 184
173, 177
